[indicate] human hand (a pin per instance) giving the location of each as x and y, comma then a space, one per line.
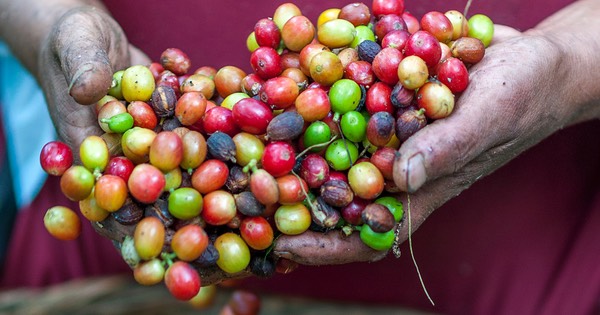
78, 58
510, 105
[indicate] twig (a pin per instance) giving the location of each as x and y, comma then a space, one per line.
467, 6
412, 255
315, 146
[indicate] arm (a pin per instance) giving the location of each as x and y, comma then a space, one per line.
540, 81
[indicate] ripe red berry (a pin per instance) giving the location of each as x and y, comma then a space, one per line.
56, 157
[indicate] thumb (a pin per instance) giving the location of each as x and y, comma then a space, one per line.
76, 64
466, 145
332, 248
89, 46
479, 134
436, 150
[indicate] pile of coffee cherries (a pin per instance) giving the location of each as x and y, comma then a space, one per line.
208, 166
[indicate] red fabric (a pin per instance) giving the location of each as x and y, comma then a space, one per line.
35, 258
520, 241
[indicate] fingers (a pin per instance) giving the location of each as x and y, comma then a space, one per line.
332, 248
502, 33
138, 57
113, 230
485, 121
438, 149
89, 45
215, 275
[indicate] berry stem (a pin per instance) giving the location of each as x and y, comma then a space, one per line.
315, 146
412, 254
364, 151
306, 196
168, 258
251, 166
336, 117
347, 230
97, 173
337, 122
467, 6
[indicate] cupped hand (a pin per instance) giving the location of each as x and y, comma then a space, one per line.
85, 47
83, 50
513, 102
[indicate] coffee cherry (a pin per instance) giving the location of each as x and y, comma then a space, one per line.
137, 83
62, 223
175, 60
56, 157
482, 28
436, 99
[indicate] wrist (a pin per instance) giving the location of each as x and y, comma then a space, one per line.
573, 34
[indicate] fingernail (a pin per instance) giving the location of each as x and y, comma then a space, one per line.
415, 173
82, 69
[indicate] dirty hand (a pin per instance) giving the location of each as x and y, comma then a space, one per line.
77, 60
516, 98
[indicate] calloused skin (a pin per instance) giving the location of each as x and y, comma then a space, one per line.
539, 80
